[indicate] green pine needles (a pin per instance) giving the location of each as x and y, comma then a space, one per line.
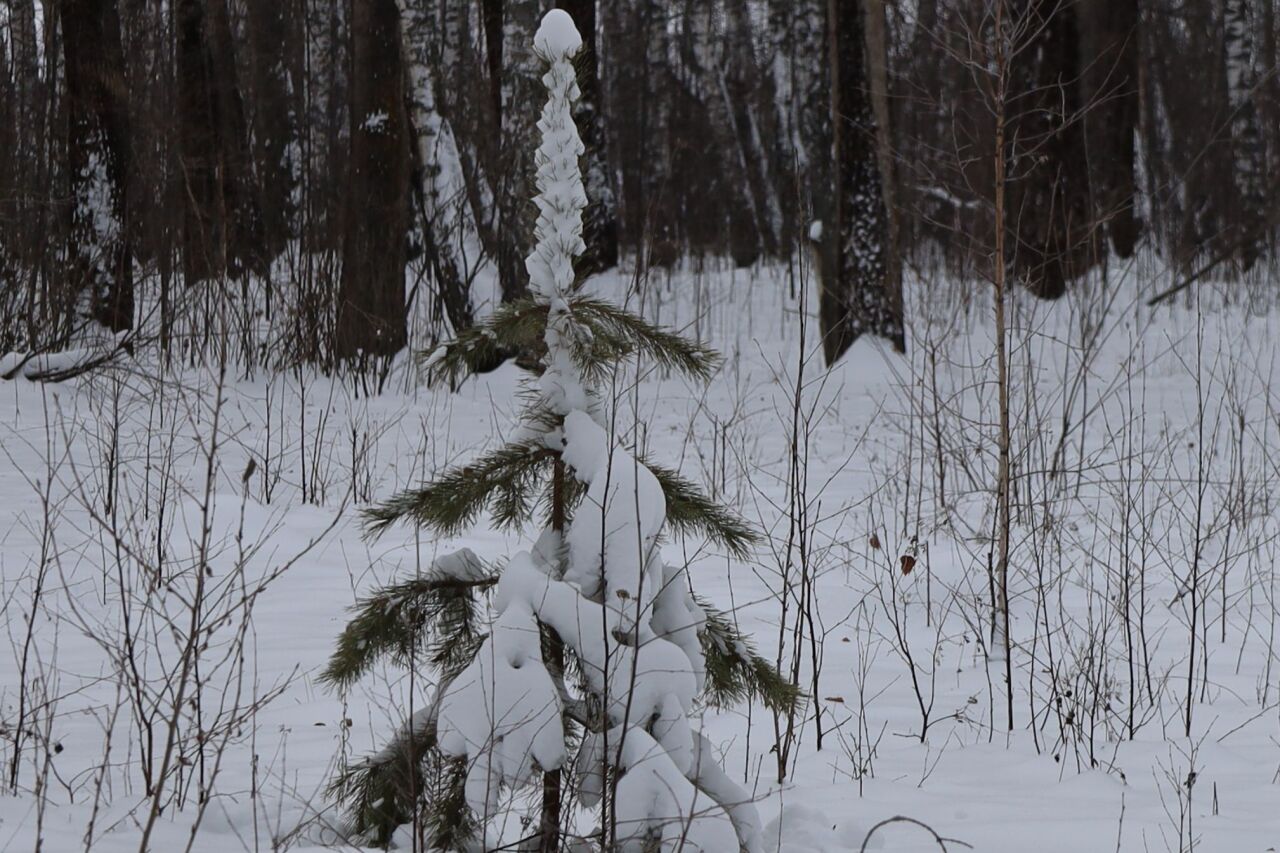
613, 335
465, 626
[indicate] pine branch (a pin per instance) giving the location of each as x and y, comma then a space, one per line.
617, 333
690, 511
504, 480
381, 792
613, 335
433, 618
735, 671
513, 327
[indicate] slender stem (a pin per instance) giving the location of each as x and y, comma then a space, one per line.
549, 828
1002, 359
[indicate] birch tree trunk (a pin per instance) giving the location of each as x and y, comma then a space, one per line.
436, 224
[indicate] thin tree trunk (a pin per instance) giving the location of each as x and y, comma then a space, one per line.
553, 654
1000, 101
877, 43
491, 22
518, 118
742, 80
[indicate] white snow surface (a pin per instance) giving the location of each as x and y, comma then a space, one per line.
1099, 789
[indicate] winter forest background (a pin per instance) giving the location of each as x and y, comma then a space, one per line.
219, 140
769, 425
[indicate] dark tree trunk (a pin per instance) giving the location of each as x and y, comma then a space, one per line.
1050, 216
99, 159
221, 227
1112, 117
857, 296
1248, 155
25, 154
600, 222
272, 44
371, 303
491, 22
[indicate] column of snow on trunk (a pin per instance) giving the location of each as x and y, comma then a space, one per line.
610, 754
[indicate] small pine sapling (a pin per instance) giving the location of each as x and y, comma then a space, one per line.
570, 676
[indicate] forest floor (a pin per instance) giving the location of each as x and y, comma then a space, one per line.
1143, 579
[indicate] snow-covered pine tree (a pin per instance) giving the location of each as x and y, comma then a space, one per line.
571, 676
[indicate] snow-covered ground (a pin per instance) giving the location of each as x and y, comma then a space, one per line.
1146, 466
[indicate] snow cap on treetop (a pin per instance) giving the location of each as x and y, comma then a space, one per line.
557, 36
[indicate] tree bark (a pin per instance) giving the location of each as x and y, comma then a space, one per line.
273, 42
857, 296
491, 22
518, 118
877, 43
99, 159
221, 227
1249, 161
371, 304
1049, 191
1112, 117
